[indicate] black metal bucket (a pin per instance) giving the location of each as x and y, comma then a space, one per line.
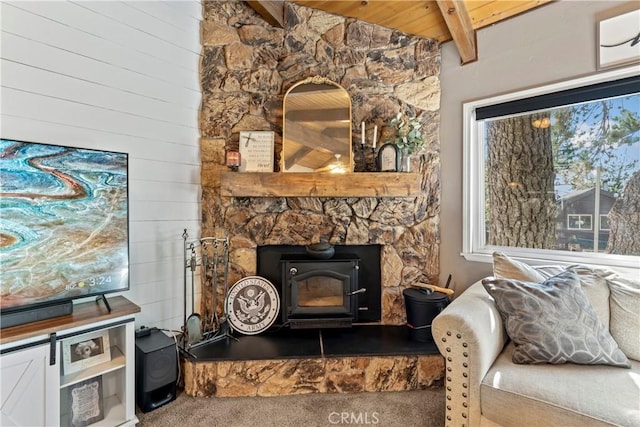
422, 306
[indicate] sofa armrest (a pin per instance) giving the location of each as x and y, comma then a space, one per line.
470, 335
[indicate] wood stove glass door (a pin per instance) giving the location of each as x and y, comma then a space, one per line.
320, 292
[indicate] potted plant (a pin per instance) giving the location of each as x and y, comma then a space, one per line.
407, 136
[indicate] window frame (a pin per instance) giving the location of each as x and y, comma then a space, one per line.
579, 220
600, 226
473, 218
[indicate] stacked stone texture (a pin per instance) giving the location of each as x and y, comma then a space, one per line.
248, 65
303, 376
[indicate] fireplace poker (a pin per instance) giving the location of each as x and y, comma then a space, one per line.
214, 285
194, 322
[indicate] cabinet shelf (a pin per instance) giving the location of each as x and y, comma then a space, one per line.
359, 184
118, 360
114, 413
42, 394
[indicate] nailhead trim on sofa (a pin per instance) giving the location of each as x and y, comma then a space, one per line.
459, 375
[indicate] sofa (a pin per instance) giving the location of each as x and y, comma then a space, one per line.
487, 382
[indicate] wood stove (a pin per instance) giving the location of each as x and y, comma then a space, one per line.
320, 293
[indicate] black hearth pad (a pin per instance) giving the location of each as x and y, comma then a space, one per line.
285, 343
373, 340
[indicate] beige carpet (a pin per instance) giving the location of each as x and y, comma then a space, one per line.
422, 408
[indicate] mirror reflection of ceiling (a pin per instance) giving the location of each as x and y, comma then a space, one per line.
317, 128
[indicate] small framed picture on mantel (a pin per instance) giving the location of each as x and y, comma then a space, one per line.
256, 151
389, 158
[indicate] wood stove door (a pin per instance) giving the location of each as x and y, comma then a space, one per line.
320, 292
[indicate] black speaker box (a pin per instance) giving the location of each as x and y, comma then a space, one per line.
156, 370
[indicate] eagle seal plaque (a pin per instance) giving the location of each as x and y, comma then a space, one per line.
252, 305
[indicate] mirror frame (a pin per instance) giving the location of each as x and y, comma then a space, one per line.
318, 80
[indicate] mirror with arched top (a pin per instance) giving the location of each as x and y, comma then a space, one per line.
316, 134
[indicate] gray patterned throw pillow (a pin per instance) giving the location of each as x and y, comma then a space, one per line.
553, 322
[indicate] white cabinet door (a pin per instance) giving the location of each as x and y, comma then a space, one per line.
23, 389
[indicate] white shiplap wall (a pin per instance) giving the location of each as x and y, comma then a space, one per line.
121, 76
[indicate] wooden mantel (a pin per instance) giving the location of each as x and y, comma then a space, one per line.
358, 184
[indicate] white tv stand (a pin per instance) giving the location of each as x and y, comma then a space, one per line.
36, 389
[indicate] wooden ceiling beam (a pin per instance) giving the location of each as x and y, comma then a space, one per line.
271, 11
457, 18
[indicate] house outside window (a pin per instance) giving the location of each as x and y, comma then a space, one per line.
542, 164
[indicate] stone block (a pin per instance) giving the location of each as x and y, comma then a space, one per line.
294, 377
217, 34
430, 370
423, 94
200, 378
238, 56
212, 150
391, 374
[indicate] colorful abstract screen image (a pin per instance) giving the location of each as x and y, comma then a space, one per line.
63, 223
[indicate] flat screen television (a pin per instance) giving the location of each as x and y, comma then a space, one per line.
64, 228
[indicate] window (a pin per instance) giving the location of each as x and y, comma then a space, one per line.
553, 173
578, 222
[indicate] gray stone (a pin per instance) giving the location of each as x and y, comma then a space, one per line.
335, 36
263, 80
258, 35
358, 35
324, 52
364, 207
423, 94
311, 204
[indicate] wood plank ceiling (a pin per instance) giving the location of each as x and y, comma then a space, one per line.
442, 20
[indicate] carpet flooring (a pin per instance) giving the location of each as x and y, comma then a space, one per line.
421, 408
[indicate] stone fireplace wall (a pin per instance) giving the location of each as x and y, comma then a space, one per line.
246, 68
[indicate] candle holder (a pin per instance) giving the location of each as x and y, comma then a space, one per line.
233, 160
375, 138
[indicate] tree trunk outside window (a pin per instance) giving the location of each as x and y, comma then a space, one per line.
624, 220
521, 207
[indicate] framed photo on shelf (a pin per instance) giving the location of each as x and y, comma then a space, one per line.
85, 350
256, 151
389, 158
85, 402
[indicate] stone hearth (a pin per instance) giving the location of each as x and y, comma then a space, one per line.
360, 359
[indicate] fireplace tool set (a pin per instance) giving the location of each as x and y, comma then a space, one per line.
213, 262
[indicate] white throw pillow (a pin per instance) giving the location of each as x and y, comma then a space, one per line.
508, 268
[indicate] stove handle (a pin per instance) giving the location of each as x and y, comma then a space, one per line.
293, 271
359, 291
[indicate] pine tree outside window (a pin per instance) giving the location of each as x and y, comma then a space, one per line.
553, 173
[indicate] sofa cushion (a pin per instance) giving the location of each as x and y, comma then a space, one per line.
625, 314
560, 395
593, 282
592, 279
553, 322
505, 267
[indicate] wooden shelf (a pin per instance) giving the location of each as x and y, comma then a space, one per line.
85, 313
359, 184
117, 361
